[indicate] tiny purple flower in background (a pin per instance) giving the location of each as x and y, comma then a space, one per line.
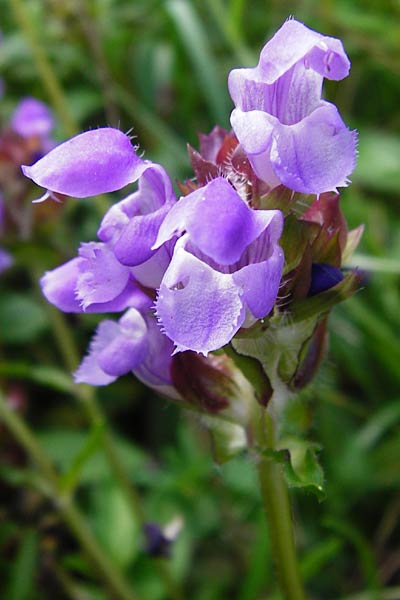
290, 135
32, 118
6, 260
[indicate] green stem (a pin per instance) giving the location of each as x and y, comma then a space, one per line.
65, 505
44, 67
277, 508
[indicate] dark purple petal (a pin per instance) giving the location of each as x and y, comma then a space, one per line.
323, 277
218, 222
32, 118
94, 162
199, 308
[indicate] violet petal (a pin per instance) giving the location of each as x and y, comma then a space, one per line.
94, 162
198, 308
218, 222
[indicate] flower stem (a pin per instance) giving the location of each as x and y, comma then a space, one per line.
65, 504
277, 508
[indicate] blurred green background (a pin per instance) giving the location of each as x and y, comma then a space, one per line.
160, 68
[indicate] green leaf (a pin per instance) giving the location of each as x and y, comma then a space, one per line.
115, 525
297, 236
278, 348
24, 568
301, 466
21, 319
61, 445
353, 239
89, 448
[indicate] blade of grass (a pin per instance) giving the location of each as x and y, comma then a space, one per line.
196, 43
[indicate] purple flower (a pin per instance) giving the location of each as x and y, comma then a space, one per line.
94, 162
32, 118
290, 135
106, 276
134, 343
6, 260
131, 226
225, 269
92, 282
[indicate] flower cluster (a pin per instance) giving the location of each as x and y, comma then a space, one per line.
258, 233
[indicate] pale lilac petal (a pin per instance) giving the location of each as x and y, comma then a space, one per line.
116, 349
155, 370
198, 308
128, 349
94, 162
32, 118
254, 129
89, 370
102, 278
59, 285
131, 296
294, 95
150, 273
292, 43
289, 134
60, 288
218, 222
316, 155
259, 283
